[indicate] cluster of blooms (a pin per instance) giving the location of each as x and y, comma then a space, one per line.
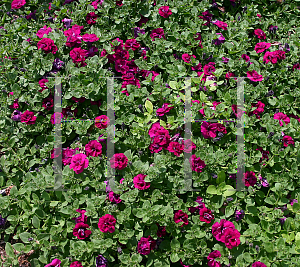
225, 232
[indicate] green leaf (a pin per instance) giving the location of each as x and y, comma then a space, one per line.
36, 222
19, 247
269, 246
211, 190
24, 237
270, 200
296, 207
221, 177
9, 250
228, 191
175, 244
173, 84
174, 257
149, 106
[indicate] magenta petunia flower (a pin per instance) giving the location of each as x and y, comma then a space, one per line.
145, 245
261, 47
258, 264
161, 230
288, 140
211, 259
254, 76
78, 55
48, 103
112, 197
76, 264
218, 229
245, 57
47, 45
15, 105
79, 162
107, 223
181, 216
80, 231
139, 182
43, 31
250, 178
260, 109
206, 215
221, 24
101, 122
281, 117
55, 118
165, 11
166, 107
260, 34
157, 33
131, 44
91, 18
93, 148
196, 164
188, 146
119, 161
28, 117
175, 148
54, 263
82, 218
219, 40
90, 37
187, 58
16, 4
232, 238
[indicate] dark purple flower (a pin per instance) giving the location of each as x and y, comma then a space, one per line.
225, 60
16, 115
138, 30
2, 221
31, 15
57, 64
67, 23
272, 29
220, 40
101, 261
282, 220
239, 214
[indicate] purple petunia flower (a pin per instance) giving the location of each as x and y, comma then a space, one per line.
2, 221
57, 65
293, 201
101, 261
239, 215
220, 40
16, 115
67, 23
225, 60
138, 30
31, 15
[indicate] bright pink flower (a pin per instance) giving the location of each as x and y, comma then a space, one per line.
43, 31
206, 215
96, 3
132, 44
183, 264
93, 149
165, 109
208, 130
112, 197
55, 118
245, 57
154, 128
161, 138
221, 24
187, 58
211, 259
145, 245
107, 223
165, 11
119, 161
91, 18
196, 164
209, 68
218, 229
181, 216
281, 117
258, 264
198, 67
119, 3
28, 117
254, 76
101, 122
232, 238
157, 33
261, 47
80, 230
188, 146
54, 263
288, 140
47, 45
175, 148
90, 37
139, 182
260, 109
258, 15
79, 162
15, 105
260, 34
16, 4
76, 264
296, 67
229, 74
249, 178
67, 155
78, 55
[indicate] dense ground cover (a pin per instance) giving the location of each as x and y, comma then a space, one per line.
149, 44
